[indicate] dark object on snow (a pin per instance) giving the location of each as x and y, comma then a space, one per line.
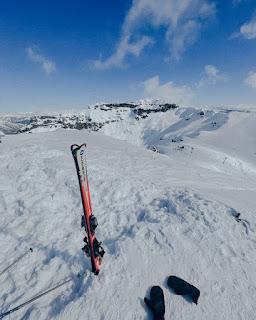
153, 148
156, 303
39, 295
183, 288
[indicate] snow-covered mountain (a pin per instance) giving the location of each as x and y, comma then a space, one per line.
187, 209
92, 118
141, 123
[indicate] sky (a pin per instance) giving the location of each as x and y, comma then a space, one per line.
57, 55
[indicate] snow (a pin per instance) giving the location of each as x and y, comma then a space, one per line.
173, 212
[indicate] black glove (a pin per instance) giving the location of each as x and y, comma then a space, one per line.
156, 302
181, 287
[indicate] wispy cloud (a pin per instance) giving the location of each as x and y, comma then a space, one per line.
124, 48
247, 30
47, 65
211, 75
251, 80
182, 20
167, 92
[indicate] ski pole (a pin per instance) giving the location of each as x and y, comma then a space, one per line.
38, 296
16, 261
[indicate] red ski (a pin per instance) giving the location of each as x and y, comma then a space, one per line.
92, 247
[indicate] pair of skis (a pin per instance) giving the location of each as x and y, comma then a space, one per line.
92, 247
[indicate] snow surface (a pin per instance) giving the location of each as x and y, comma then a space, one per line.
173, 212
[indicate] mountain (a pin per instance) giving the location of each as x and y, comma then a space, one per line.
92, 118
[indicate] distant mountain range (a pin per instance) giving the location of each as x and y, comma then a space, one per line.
28, 122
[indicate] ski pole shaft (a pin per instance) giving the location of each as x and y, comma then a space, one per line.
34, 298
16, 261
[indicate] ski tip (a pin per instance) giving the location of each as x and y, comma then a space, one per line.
76, 147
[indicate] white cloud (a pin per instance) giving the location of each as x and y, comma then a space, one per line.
251, 80
35, 56
167, 92
211, 75
248, 30
182, 20
123, 49
211, 71
181, 40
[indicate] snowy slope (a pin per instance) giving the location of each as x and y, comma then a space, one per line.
173, 212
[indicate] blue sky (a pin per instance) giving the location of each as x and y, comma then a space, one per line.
57, 55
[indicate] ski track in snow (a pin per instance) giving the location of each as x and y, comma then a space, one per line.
158, 215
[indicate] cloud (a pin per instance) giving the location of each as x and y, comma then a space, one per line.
251, 80
248, 30
187, 36
123, 49
181, 19
211, 75
34, 55
211, 71
167, 92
